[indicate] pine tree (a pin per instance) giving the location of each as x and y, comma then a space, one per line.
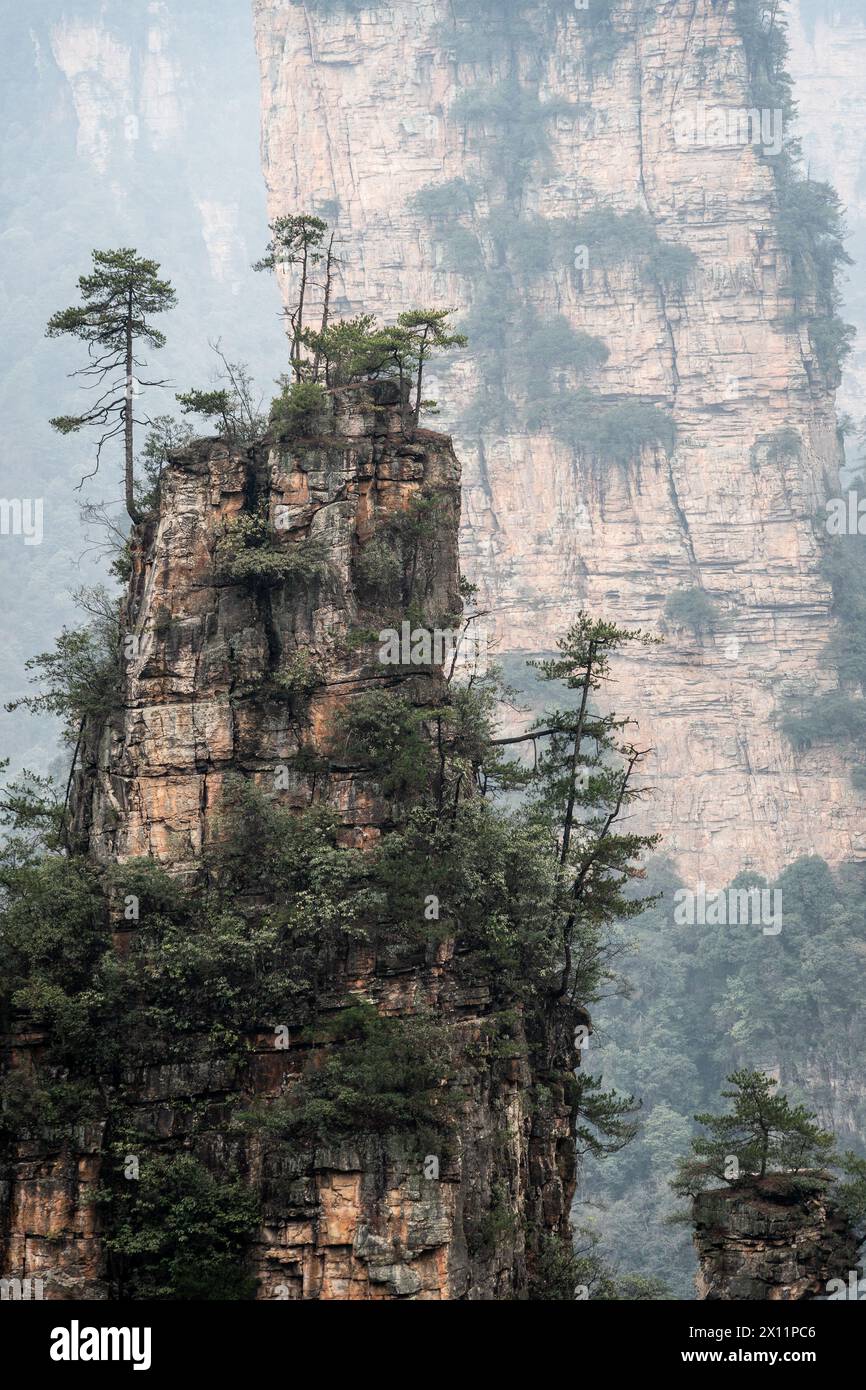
583, 784
763, 1134
113, 317
429, 332
297, 240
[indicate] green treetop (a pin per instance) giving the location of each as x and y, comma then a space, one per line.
298, 242
584, 783
762, 1134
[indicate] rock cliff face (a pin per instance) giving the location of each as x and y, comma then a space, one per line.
205, 649
202, 700
765, 1245
366, 108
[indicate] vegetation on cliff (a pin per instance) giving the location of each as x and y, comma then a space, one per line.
258, 944
530, 896
837, 715
791, 1213
538, 374
762, 1134
809, 215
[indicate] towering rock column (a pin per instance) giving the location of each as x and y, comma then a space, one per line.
365, 108
207, 694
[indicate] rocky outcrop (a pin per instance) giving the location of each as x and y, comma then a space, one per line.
545, 529
202, 694
769, 1242
205, 697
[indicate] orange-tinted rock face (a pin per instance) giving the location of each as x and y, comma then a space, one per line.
201, 701
201, 695
362, 110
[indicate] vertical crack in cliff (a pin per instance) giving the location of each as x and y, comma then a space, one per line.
681, 516
657, 281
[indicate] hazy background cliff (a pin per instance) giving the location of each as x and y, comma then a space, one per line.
124, 124
453, 150
827, 39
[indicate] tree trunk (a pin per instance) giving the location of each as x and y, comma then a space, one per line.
575, 757
129, 473
420, 378
326, 310
299, 323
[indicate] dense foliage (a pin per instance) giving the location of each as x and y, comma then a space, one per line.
692, 608
178, 1233
256, 943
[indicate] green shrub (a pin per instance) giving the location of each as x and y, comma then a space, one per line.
178, 1233
692, 608
776, 447
396, 565
54, 937
527, 243
297, 680
613, 237
616, 433
445, 200
550, 348
462, 250
620, 432
82, 676
557, 1271
515, 119
844, 565
672, 264
604, 41
380, 1075
300, 409
492, 314
833, 716
383, 734
812, 232
833, 341
250, 552
379, 570
499, 1223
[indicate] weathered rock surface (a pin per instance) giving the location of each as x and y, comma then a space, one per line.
200, 702
361, 110
765, 1243
202, 697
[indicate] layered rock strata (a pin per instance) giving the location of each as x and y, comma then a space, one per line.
768, 1243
